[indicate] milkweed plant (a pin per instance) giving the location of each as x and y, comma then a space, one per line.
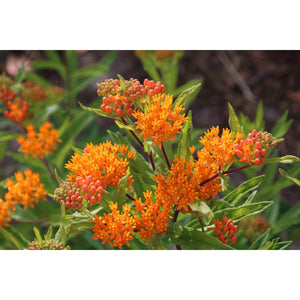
152, 183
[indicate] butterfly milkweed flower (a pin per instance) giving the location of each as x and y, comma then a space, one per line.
27, 190
37, 144
115, 228
4, 213
160, 121
151, 217
103, 162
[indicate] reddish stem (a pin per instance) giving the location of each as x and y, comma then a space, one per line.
165, 155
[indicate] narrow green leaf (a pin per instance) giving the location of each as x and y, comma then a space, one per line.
120, 193
233, 121
122, 82
19, 157
187, 96
237, 213
78, 227
121, 125
76, 150
185, 140
150, 69
99, 112
282, 126
260, 241
259, 121
194, 239
58, 178
247, 186
8, 135
288, 159
61, 234
38, 236
285, 174
11, 239
49, 233
3, 147
72, 60
46, 64
53, 56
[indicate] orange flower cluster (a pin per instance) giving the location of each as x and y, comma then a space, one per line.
254, 148
163, 54
38, 144
26, 190
17, 110
225, 230
33, 92
102, 162
153, 215
160, 122
182, 186
120, 102
149, 218
5, 213
115, 228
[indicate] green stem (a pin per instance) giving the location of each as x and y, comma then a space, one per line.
141, 144
44, 161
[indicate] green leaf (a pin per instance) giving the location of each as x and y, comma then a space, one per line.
187, 96
3, 147
282, 126
61, 234
97, 111
202, 210
122, 82
237, 213
76, 150
72, 60
288, 159
150, 69
233, 121
8, 135
49, 233
31, 76
285, 174
11, 239
58, 178
19, 157
78, 227
185, 140
194, 239
259, 121
120, 193
53, 56
186, 86
260, 241
46, 64
38, 236
121, 125
247, 186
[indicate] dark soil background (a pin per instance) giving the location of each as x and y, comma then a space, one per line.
242, 78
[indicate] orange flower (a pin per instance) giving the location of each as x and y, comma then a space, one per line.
38, 144
159, 122
219, 150
181, 187
102, 162
26, 191
4, 213
153, 216
115, 228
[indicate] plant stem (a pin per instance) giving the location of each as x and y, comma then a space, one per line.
224, 173
130, 197
44, 161
68, 88
141, 144
165, 155
40, 210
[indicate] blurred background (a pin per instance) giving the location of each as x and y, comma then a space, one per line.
243, 78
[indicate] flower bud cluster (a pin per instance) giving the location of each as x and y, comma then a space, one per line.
46, 245
33, 92
225, 230
254, 149
72, 194
119, 102
17, 110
